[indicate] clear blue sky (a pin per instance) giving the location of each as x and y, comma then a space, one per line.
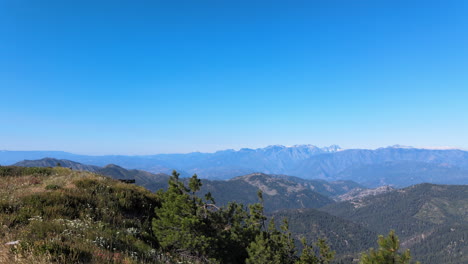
142, 77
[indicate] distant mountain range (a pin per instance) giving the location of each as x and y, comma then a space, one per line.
397, 165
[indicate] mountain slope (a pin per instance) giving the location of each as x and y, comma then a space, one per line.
345, 237
431, 219
359, 193
327, 188
146, 179
278, 193
51, 162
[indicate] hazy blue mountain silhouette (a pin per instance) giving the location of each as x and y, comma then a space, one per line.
399, 166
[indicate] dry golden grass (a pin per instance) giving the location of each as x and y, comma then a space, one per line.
7, 255
10, 253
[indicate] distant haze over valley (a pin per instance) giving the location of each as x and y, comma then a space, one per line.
397, 165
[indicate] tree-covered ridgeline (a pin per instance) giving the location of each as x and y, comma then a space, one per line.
430, 219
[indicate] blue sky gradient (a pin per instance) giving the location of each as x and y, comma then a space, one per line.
143, 77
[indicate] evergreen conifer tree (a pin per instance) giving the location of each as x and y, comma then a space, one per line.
177, 225
387, 252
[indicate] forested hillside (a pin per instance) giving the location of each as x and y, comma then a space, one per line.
430, 219
345, 237
279, 193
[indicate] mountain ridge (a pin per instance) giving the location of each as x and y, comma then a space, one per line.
305, 161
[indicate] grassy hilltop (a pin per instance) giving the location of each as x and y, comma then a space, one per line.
65, 216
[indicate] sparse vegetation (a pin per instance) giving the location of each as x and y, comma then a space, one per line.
63, 216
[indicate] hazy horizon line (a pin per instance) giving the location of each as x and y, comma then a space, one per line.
239, 149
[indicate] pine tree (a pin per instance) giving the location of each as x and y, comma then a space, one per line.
308, 255
272, 246
177, 225
387, 252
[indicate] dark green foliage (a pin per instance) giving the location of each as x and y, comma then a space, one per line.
388, 252
131, 201
277, 246
308, 256
430, 219
273, 246
14, 171
345, 237
178, 225
194, 184
54, 204
52, 187
185, 225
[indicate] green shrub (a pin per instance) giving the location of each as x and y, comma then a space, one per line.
16, 171
11, 171
63, 253
86, 183
52, 187
37, 171
55, 204
7, 208
21, 217
43, 229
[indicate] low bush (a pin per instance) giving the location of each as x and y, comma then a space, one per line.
16, 171
52, 187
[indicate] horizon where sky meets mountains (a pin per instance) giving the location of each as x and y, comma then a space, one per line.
145, 77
